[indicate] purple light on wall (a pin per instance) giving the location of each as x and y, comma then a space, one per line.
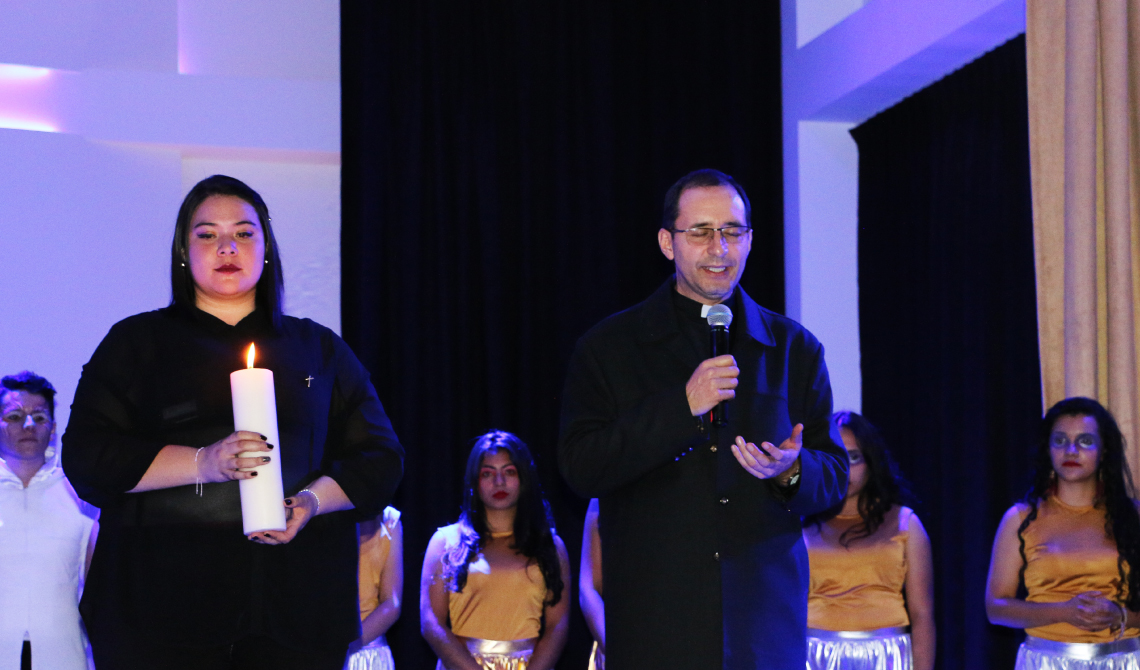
13, 123
185, 66
22, 72
186, 59
27, 98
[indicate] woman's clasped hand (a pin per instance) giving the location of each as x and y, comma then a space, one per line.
229, 458
1092, 611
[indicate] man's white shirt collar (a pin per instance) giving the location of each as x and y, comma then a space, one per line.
49, 470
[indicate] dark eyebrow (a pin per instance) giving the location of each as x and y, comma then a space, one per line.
211, 223
726, 224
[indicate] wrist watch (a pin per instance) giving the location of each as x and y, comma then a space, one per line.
795, 478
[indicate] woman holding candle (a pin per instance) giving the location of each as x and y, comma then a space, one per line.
174, 582
1072, 544
492, 590
871, 569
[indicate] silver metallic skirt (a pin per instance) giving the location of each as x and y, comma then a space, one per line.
882, 649
597, 659
499, 654
374, 656
1040, 654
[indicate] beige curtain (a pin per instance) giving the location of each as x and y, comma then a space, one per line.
1083, 62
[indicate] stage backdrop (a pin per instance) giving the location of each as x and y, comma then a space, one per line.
948, 324
503, 171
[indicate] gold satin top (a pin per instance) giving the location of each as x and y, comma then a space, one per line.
858, 587
1067, 552
375, 543
499, 604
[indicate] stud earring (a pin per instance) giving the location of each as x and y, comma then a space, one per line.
183, 265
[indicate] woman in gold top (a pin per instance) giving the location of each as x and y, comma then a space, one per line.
1071, 543
492, 586
381, 590
590, 587
871, 568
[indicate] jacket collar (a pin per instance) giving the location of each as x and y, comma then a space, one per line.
255, 323
49, 471
659, 320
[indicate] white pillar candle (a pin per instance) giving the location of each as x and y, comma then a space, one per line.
255, 409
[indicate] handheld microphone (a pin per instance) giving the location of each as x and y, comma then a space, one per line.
719, 318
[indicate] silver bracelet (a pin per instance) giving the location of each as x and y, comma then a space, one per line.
197, 473
315, 497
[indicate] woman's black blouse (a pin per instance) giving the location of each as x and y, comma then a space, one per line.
175, 566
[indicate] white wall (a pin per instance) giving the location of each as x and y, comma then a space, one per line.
829, 296
815, 17
109, 111
842, 64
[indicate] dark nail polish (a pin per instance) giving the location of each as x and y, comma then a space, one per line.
264, 459
288, 501
263, 438
270, 446
253, 474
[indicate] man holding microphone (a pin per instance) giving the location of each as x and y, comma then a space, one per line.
703, 558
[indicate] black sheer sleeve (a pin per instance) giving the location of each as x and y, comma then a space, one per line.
363, 454
107, 449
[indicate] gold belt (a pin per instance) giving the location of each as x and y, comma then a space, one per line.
875, 634
1085, 651
477, 646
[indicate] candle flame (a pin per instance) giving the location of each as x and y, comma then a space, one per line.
249, 356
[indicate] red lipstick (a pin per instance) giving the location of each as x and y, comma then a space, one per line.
499, 495
228, 268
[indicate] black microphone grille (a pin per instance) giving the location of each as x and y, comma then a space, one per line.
719, 315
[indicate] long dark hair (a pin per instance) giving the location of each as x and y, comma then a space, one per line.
270, 286
534, 524
885, 486
1115, 490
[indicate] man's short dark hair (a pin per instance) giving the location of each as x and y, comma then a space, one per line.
30, 382
700, 179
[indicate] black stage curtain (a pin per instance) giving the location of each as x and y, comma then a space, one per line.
948, 322
504, 166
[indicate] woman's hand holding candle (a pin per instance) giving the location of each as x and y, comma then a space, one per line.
219, 462
298, 510
302, 507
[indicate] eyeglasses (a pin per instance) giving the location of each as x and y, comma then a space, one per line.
20, 418
1060, 440
705, 234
